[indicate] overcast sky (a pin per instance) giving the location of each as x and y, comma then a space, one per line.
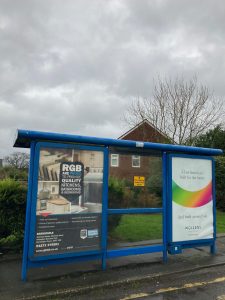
74, 66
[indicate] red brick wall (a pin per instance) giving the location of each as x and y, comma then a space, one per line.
126, 171
145, 133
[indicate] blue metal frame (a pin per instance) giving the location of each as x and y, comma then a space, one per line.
192, 243
28, 212
28, 259
105, 207
120, 211
164, 173
24, 138
213, 246
134, 251
35, 140
150, 248
144, 249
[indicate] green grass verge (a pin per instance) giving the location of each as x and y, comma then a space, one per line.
220, 221
135, 228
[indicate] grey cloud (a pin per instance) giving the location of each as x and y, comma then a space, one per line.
74, 66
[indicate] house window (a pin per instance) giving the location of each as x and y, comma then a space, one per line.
136, 161
114, 160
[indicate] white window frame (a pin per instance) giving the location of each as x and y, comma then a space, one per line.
135, 157
114, 157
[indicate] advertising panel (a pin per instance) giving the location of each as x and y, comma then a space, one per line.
192, 199
69, 201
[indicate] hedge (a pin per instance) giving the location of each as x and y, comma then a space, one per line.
12, 213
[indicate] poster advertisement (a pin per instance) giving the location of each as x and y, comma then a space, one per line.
69, 201
192, 199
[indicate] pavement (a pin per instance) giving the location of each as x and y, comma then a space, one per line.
73, 281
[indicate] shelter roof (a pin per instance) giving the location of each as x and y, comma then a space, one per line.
25, 137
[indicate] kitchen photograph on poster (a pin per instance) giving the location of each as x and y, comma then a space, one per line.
70, 181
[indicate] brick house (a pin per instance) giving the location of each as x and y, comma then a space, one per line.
139, 163
145, 132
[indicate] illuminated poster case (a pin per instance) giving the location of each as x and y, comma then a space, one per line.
192, 198
66, 200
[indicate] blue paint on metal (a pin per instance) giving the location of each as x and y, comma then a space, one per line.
192, 243
120, 211
54, 140
105, 207
169, 200
213, 247
199, 243
34, 202
24, 138
134, 251
28, 208
164, 215
175, 249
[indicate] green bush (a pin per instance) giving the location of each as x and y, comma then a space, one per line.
12, 242
116, 190
12, 211
13, 173
154, 184
220, 183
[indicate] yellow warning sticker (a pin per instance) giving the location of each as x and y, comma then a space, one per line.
139, 181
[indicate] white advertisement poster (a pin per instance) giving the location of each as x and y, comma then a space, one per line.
192, 199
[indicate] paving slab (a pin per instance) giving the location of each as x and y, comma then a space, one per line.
47, 282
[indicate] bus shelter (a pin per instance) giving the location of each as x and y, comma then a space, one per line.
79, 187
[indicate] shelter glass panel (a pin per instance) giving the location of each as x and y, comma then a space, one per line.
134, 230
137, 181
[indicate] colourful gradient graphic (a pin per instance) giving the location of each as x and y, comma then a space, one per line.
192, 199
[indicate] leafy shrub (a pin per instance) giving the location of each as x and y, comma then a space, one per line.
12, 242
220, 183
154, 185
116, 190
12, 210
13, 173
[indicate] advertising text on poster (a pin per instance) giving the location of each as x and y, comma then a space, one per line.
71, 178
67, 233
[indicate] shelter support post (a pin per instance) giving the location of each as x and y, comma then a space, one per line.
164, 215
28, 209
213, 246
105, 207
